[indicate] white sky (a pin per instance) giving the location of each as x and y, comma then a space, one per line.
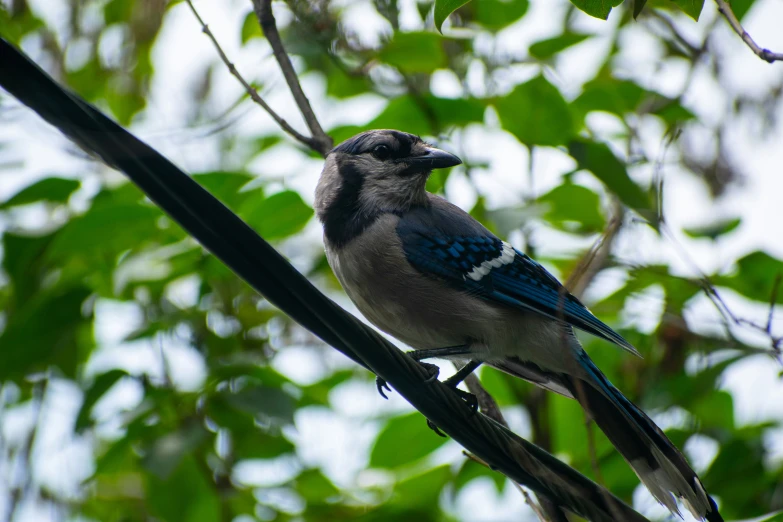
338, 442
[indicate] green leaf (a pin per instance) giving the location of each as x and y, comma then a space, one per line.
601, 161
187, 495
29, 346
252, 443
472, 470
227, 186
569, 433
106, 230
97, 389
571, 203
251, 28
406, 112
499, 14
23, 262
741, 7
265, 401
756, 277
403, 440
638, 6
313, 486
417, 52
341, 84
597, 8
280, 215
611, 95
423, 489
545, 49
536, 113
672, 112
715, 410
52, 190
690, 7
443, 8
713, 230
22, 22
167, 452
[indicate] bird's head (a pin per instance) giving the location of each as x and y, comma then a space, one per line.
378, 170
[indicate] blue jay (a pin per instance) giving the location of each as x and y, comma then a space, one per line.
427, 273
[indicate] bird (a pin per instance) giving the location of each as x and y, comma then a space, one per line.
427, 273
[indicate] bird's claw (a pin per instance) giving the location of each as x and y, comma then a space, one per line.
469, 399
434, 428
433, 370
381, 384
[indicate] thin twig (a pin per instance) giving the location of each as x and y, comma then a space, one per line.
712, 293
545, 509
580, 279
251, 91
772, 300
679, 37
765, 54
321, 142
595, 259
486, 402
529, 501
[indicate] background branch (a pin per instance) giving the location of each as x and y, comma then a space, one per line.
251, 91
263, 8
546, 510
765, 54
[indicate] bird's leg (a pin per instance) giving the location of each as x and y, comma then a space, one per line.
453, 382
428, 353
462, 373
448, 351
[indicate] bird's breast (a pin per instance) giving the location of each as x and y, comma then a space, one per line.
395, 297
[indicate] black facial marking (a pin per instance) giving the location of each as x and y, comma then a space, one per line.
400, 143
342, 220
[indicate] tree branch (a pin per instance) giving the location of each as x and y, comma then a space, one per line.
263, 9
595, 259
251, 91
765, 54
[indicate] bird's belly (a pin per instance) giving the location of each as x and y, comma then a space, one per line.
424, 312
417, 321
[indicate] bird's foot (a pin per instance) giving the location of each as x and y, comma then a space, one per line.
469, 399
431, 425
432, 369
381, 384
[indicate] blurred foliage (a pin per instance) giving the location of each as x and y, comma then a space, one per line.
176, 453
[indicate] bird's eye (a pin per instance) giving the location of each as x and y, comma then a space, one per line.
381, 152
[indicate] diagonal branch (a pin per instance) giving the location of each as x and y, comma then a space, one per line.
251, 91
765, 54
263, 9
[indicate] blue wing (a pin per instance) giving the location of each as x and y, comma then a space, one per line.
483, 265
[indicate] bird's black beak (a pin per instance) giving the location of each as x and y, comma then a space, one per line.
433, 159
